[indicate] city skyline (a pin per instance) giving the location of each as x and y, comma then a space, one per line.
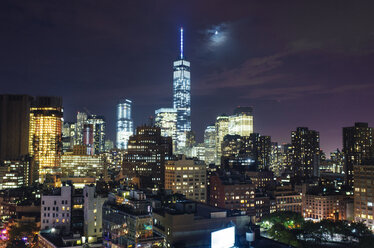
314, 77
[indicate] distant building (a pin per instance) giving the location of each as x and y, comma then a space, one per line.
187, 177
306, 153
261, 179
210, 144
222, 129
166, 119
14, 126
68, 136
73, 165
129, 223
15, 174
81, 120
241, 123
357, 147
98, 125
45, 139
146, 156
364, 194
125, 125
261, 150
88, 139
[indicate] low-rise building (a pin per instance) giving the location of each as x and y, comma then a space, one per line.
235, 192
127, 222
190, 224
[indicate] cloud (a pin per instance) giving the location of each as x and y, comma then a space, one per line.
254, 71
293, 92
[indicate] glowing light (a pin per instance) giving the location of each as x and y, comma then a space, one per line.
223, 238
181, 43
216, 33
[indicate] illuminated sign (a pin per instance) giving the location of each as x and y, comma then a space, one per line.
224, 238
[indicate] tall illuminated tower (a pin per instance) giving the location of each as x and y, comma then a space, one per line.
45, 136
182, 96
124, 123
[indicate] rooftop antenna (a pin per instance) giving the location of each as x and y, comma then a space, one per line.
181, 42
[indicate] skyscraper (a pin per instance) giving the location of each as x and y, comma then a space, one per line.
125, 124
222, 129
241, 123
45, 140
166, 119
306, 150
357, 147
14, 126
210, 144
81, 120
98, 123
182, 96
146, 155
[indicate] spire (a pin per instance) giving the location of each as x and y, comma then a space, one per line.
181, 42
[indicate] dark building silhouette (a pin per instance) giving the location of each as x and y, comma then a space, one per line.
306, 152
357, 147
14, 126
146, 155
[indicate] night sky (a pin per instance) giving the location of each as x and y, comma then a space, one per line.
297, 63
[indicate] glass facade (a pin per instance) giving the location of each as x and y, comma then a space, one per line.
45, 143
124, 123
182, 97
98, 129
166, 119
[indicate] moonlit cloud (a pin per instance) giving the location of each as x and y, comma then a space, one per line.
217, 34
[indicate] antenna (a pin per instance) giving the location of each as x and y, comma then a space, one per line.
181, 42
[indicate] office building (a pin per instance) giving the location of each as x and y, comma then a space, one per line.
129, 223
241, 122
88, 139
364, 194
81, 120
210, 144
125, 125
306, 153
357, 147
98, 125
146, 155
15, 174
186, 177
222, 129
14, 126
68, 136
262, 150
166, 119
77, 165
45, 139
182, 96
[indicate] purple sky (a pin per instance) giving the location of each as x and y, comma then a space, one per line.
297, 63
